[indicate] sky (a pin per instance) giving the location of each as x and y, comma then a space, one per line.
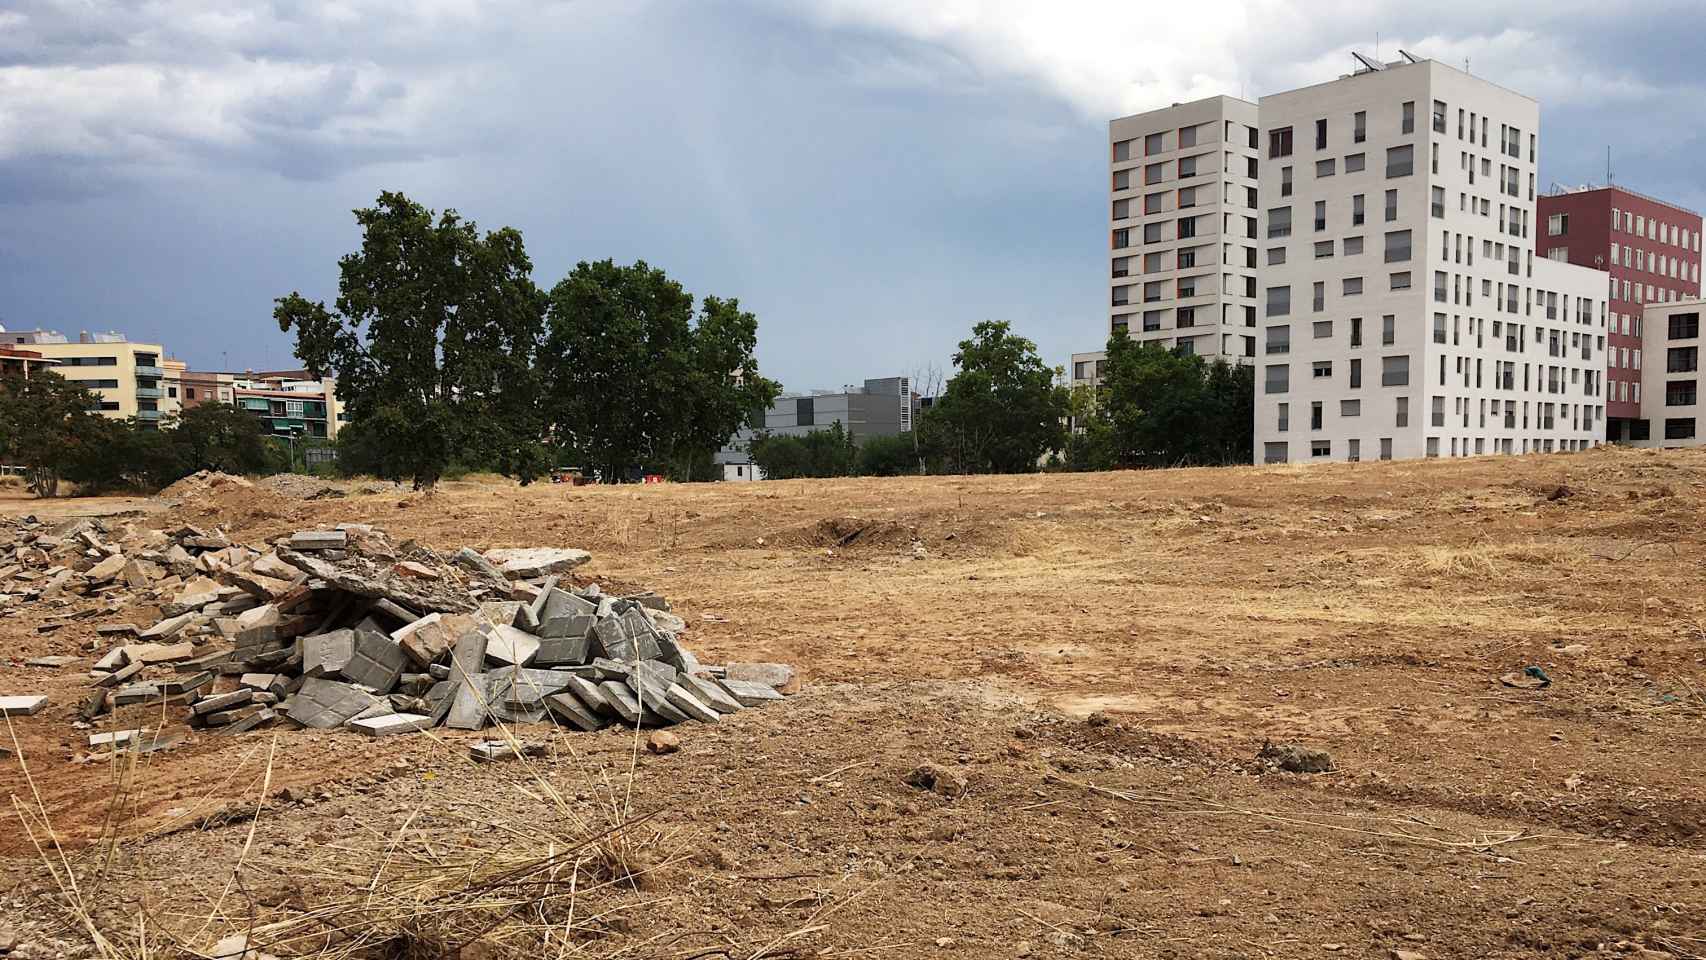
869, 177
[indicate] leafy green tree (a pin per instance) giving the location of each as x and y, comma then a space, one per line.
1164, 408
48, 424
433, 342
633, 379
887, 457
1002, 411
818, 453
216, 436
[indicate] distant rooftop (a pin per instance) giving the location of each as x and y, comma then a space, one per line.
1560, 190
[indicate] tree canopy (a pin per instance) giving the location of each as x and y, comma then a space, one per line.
47, 424
1002, 411
433, 342
1161, 408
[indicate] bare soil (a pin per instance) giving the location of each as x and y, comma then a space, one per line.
1100, 657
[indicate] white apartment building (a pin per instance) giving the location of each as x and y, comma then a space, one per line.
1670, 378
1403, 313
1184, 220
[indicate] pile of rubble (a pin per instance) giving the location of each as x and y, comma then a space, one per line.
344, 628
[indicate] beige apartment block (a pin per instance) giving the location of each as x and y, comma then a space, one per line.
1403, 313
129, 379
1670, 378
1183, 227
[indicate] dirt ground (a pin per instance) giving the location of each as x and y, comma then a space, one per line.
1101, 657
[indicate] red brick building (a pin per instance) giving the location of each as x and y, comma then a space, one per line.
1652, 251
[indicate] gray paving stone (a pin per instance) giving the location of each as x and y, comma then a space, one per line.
248, 723
136, 693
327, 654
376, 662
577, 626
592, 695
391, 724
708, 693
319, 540
612, 641
621, 699
186, 684
560, 604
21, 706
121, 675
486, 751
511, 646
467, 661
563, 651
223, 701
687, 703
568, 708
323, 704
115, 738
749, 693
526, 563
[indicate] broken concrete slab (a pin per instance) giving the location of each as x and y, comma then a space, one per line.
122, 674
186, 683
222, 701
327, 654
467, 663
568, 708
709, 693
319, 540
392, 724
748, 693
425, 640
563, 651
250, 722
592, 695
486, 751
168, 628
116, 629
527, 563
106, 570
779, 676
376, 663
687, 703
52, 663
21, 706
511, 646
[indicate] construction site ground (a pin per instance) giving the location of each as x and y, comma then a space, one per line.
1100, 656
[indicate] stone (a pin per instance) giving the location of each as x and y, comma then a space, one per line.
559, 604
426, 640
323, 704
272, 683
469, 559
501, 611
376, 663
563, 651
612, 641
779, 676
135, 693
415, 684
122, 674
51, 662
187, 683
93, 705
590, 694
23, 706
439, 671
510, 646
107, 569
606, 669
115, 738
468, 703
327, 654
1396, 954
153, 653
486, 751
527, 563
167, 628
692, 706
621, 699
749, 693
319, 540
265, 615
116, 629
708, 693
568, 708
574, 625
392, 724
112, 660
225, 718
248, 723
222, 701
663, 741
419, 571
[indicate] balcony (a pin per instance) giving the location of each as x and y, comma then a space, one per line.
149, 372
148, 415
149, 393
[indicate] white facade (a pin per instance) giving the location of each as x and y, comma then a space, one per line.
1183, 221
1670, 378
1403, 313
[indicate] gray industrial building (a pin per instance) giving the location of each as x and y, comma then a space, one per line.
882, 407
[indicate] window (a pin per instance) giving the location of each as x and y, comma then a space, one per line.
1400, 280
1279, 143
1557, 224
1401, 412
1680, 393
1395, 371
1391, 205
1273, 452
1321, 369
1437, 204
1188, 227
1187, 317
1353, 246
1409, 117
1320, 448
1284, 421
1321, 134
1323, 329
1350, 408
1681, 359
1439, 116
1400, 161
1353, 451
1187, 167
1279, 301
1684, 326
1155, 143
1398, 246
1356, 210
1356, 374
1285, 181
1155, 173
1351, 287
1187, 136
1356, 332
1356, 162
1318, 301
1278, 378
1385, 448
1276, 256
1324, 168
1122, 151
1152, 232
1320, 215
1388, 330
1279, 222
1279, 340
1679, 428
1151, 321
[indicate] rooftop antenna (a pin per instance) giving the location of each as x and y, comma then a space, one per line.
1608, 176
1465, 64
1377, 44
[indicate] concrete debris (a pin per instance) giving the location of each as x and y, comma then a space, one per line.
489, 750
1293, 758
343, 627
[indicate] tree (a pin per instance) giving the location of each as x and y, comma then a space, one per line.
48, 424
818, 453
887, 457
216, 436
632, 380
1002, 411
433, 342
1163, 408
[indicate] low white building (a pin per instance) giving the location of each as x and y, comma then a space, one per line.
1670, 377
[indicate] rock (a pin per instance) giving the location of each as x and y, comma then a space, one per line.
1293, 758
419, 571
778, 676
391, 724
319, 540
662, 742
938, 780
1396, 954
21, 706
